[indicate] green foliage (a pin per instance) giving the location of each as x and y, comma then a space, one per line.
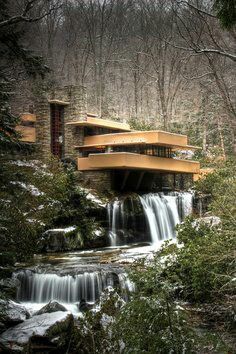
226, 12
8, 135
38, 196
137, 124
205, 265
94, 332
31, 194
222, 186
153, 324
16, 62
75, 210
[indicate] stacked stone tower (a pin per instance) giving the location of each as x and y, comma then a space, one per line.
73, 101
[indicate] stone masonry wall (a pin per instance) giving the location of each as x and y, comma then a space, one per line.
100, 180
75, 110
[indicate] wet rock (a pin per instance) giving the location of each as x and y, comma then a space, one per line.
211, 221
98, 240
39, 334
60, 240
110, 300
84, 306
11, 313
6, 272
8, 287
52, 306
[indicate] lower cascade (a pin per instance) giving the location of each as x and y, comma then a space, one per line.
73, 279
149, 217
88, 286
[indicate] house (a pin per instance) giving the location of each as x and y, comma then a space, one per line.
109, 153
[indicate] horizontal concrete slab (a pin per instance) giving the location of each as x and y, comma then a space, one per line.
123, 160
102, 123
155, 137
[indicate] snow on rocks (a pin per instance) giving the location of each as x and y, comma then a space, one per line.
91, 196
12, 313
52, 306
211, 221
29, 187
64, 230
56, 240
52, 327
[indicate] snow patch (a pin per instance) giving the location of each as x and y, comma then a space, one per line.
29, 187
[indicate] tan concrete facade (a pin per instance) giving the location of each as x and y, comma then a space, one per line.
108, 150
138, 137
126, 160
102, 123
28, 134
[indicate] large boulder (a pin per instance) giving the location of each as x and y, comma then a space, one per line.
60, 240
11, 313
8, 287
45, 333
211, 221
52, 306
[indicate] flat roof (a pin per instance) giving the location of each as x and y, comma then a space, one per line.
102, 123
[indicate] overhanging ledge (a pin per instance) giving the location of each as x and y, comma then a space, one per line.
101, 123
124, 160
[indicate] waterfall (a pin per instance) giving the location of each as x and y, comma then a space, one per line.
115, 214
187, 204
161, 213
41, 288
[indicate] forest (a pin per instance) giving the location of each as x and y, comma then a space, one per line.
88, 271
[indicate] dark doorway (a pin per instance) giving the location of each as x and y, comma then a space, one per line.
57, 130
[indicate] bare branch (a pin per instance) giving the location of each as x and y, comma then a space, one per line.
197, 77
205, 50
24, 16
195, 8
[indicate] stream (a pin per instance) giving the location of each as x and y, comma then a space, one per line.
138, 225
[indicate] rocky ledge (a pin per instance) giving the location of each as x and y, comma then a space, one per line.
49, 332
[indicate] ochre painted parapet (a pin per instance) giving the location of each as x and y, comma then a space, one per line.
124, 160
28, 117
101, 123
155, 137
28, 133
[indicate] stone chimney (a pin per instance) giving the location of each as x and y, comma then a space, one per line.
73, 100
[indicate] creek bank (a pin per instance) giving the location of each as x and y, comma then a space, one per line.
8, 288
49, 331
11, 314
70, 239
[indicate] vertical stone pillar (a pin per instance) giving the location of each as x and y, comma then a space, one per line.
75, 111
73, 98
43, 127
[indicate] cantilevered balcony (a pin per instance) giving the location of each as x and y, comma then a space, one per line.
129, 161
156, 137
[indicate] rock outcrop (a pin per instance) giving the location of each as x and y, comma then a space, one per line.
11, 313
52, 306
39, 334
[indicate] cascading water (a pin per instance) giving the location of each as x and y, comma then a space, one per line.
160, 212
41, 288
71, 278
